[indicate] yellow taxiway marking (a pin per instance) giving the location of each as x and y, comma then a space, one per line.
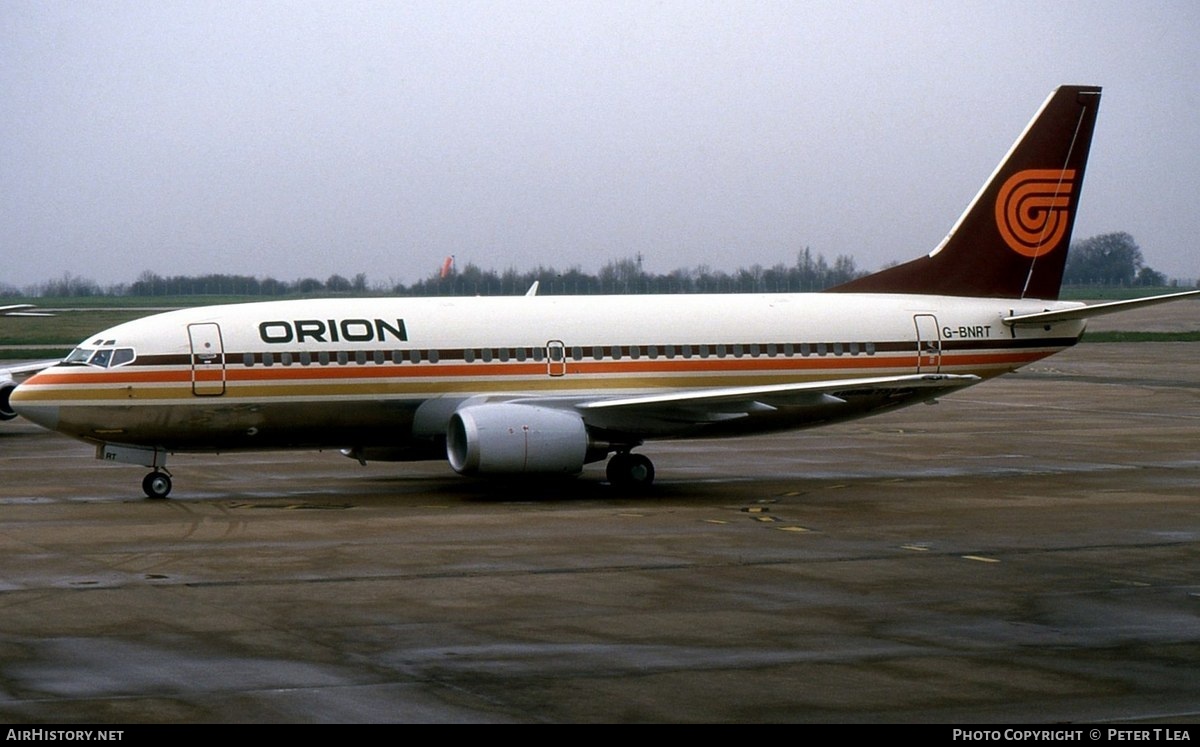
980, 558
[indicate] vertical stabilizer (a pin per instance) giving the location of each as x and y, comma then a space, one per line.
1012, 240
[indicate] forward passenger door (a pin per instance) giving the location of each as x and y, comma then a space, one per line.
208, 360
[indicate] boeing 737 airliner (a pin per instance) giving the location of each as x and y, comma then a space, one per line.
545, 385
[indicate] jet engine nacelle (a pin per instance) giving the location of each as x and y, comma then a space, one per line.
6, 410
505, 438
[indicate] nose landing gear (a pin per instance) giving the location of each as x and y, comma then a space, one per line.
157, 484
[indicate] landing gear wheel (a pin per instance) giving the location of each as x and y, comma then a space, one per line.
156, 485
627, 470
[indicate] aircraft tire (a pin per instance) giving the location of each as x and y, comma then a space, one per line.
156, 485
627, 470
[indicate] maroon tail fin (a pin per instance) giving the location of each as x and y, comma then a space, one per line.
1012, 240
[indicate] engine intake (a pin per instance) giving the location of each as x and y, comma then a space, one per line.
515, 439
6, 409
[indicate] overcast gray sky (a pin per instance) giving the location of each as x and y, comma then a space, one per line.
302, 139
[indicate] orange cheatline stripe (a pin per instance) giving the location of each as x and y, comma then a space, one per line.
116, 376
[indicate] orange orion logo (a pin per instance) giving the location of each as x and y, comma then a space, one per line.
1031, 209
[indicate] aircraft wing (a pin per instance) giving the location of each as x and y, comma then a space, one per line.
21, 370
21, 309
652, 413
1099, 309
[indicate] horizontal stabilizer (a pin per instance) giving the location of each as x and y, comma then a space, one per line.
1100, 309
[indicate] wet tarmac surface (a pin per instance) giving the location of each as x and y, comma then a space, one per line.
1025, 550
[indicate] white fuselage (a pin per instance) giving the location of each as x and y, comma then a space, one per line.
384, 373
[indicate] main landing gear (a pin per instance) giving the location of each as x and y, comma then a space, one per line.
630, 471
157, 484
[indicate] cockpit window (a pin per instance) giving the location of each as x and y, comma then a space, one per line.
120, 357
102, 358
79, 356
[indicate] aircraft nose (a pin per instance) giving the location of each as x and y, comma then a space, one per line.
25, 404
